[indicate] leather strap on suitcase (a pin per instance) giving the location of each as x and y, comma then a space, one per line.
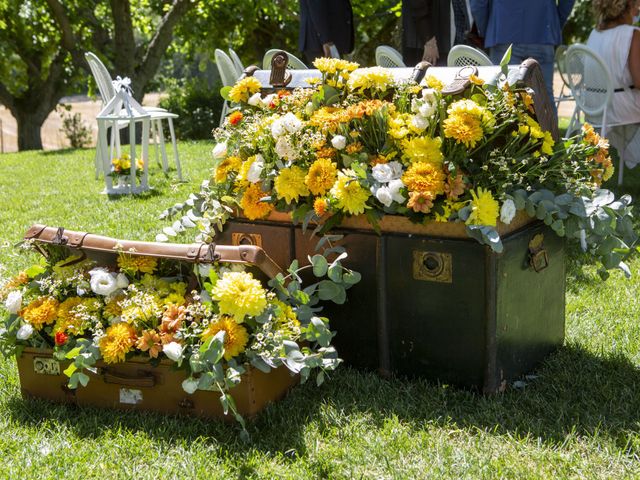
195, 252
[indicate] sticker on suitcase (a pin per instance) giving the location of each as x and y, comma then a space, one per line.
130, 396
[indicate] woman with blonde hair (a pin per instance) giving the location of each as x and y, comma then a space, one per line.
617, 41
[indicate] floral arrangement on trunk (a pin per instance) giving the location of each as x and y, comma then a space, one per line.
212, 320
361, 143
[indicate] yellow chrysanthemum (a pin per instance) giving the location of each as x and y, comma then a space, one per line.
73, 312
372, 78
244, 88
464, 128
113, 308
425, 178
468, 122
333, 65
289, 184
239, 294
119, 339
321, 176
42, 311
434, 82
423, 149
350, 195
228, 165
287, 322
12, 284
251, 205
484, 208
243, 171
133, 264
236, 337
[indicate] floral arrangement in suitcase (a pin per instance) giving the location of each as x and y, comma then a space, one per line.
213, 320
360, 142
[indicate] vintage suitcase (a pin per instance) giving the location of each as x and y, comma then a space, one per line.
433, 302
136, 384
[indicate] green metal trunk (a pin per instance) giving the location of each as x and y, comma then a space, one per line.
448, 309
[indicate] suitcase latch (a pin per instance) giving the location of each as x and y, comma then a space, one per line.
246, 239
538, 258
432, 266
46, 366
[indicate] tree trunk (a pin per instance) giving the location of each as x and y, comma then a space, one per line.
29, 126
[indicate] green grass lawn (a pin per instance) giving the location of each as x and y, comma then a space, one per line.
580, 418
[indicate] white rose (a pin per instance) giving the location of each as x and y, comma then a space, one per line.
385, 172
339, 142
190, 385
382, 173
419, 122
102, 282
173, 350
13, 303
24, 332
268, 99
396, 168
285, 150
507, 211
255, 100
253, 175
394, 189
308, 109
220, 150
429, 95
427, 110
384, 196
122, 281
291, 123
277, 128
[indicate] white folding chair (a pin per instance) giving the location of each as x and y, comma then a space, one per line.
104, 81
388, 57
559, 60
592, 87
236, 61
228, 76
294, 62
464, 55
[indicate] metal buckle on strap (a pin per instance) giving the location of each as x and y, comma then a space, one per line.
59, 238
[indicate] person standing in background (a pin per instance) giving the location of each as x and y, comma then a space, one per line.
534, 28
425, 29
325, 24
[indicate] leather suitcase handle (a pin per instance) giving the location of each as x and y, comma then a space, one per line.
143, 380
196, 252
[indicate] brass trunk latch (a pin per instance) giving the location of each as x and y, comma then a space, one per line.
432, 266
238, 238
538, 258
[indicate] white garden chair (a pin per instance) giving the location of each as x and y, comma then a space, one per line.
294, 62
228, 75
388, 57
559, 60
464, 55
591, 86
236, 61
107, 92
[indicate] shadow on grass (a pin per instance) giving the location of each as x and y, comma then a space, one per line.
576, 392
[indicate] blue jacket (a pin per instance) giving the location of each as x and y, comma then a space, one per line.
521, 21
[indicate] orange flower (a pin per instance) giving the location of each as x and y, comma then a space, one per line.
150, 341
235, 118
320, 206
